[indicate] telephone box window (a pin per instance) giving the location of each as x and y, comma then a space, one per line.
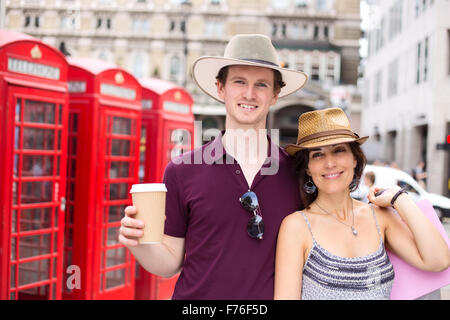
39, 112
35, 219
38, 139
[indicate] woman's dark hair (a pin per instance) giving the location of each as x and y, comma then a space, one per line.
278, 82
301, 164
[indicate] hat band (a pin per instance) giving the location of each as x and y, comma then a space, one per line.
326, 134
260, 61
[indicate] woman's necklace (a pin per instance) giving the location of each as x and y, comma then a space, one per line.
354, 231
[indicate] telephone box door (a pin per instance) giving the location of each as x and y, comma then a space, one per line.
37, 138
118, 171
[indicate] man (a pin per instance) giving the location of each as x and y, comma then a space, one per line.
223, 212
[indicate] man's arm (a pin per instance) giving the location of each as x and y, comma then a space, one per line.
163, 259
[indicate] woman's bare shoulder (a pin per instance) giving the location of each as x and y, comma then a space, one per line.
293, 223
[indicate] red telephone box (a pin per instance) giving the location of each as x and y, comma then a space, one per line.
33, 131
103, 162
167, 131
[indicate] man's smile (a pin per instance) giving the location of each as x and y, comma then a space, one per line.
247, 106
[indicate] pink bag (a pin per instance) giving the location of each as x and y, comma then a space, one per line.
410, 282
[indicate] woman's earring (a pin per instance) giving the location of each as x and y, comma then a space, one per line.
309, 186
354, 183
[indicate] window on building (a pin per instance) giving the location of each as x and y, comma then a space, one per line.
395, 19
63, 49
316, 32
378, 87
279, 29
366, 93
68, 23
421, 6
280, 4
422, 61
393, 78
178, 25
331, 62
32, 20
104, 56
301, 3
323, 4
448, 50
315, 71
378, 38
104, 23
175, 68
183, 26
139, 65
283, 30
214, 28
294, 31
419, 49
305, 31
425, 60
181, 2
140, 25
391, 145
325, 32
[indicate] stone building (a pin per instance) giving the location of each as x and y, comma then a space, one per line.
406, 105
162, 38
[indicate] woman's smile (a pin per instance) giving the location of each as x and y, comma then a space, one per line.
332, 175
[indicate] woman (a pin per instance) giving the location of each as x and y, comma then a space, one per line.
335, 247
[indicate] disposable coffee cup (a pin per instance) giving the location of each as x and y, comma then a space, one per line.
150, 201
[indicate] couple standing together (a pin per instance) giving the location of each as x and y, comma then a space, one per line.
235, 233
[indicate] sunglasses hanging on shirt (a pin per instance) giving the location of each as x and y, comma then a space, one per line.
255, 227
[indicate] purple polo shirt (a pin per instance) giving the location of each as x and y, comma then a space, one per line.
222, 261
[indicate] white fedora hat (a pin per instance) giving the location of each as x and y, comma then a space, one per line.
249, 50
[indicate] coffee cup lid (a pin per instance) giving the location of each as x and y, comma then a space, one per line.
148, 187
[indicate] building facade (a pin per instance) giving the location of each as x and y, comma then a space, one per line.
162, 38
406, 105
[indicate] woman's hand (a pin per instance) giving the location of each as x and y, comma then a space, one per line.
410, 234
384, 199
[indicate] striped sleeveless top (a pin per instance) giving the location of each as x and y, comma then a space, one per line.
330, 277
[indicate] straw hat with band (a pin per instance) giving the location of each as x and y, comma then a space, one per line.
249, 50
322, 128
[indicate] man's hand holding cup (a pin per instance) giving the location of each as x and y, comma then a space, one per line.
144, 220
131, 228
